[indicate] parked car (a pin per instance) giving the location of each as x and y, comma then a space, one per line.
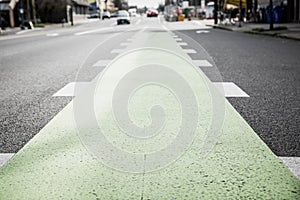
115, 14
123, 17
106, 14
94, 15
152, 13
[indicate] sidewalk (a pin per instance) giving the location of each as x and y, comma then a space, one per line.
286, 30
17, 30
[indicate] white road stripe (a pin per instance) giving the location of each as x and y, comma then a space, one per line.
4, 157
71, 89
117, 51
229, 89
102, 63
293, 163
182, 43
124, 44
93, 31
202, 63
189, 51
52, 34
202, 31
178, 39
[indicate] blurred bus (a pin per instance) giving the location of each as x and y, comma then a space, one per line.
209, 14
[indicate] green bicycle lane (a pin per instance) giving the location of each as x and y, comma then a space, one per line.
68, 159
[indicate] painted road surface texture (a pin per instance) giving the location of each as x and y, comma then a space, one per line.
150, 126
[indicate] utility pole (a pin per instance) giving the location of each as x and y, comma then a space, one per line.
271, 15
0, 23
33, 11
240, 13
28, 11
216, 12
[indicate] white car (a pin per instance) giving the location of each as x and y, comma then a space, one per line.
123, 17
106, 14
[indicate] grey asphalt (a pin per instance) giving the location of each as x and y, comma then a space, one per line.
267, 69
34, 66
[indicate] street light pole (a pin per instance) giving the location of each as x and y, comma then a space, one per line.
21, 11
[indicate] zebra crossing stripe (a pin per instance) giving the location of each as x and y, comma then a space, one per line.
230, 89
190, 51
202, 63
293, 163
4, 157
71, 89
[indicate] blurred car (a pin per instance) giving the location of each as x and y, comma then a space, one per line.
115, 14
132, 12
106, 14
94, 15
152, 13
123, 17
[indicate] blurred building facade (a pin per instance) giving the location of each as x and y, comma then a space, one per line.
16, 12
257, 10
57, 11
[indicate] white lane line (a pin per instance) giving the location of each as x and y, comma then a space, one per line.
202, 63
93, 31
52, 34
102, 63
182, 43
124, 44
117, 51
229, 89
202, 31
71, 89
4, 157
175, 36
178, 39
293, 163
189, 51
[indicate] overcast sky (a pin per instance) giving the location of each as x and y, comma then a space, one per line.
147, 3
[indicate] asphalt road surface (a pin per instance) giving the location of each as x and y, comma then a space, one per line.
260, 76
268, 70
35, 65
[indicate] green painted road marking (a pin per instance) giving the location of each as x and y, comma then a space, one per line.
56, 165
